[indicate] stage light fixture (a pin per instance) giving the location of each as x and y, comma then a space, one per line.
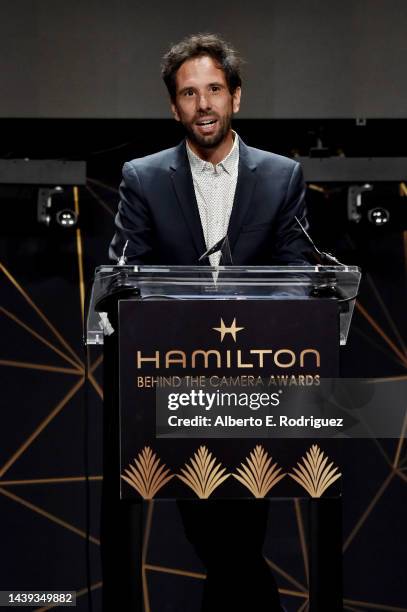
66, 218
52, 209
377, 205
378, 216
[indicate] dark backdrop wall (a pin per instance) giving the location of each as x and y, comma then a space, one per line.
100, 58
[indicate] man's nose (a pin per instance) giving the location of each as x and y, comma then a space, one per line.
203, 102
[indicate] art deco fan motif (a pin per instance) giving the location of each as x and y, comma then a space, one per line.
203, 476
313, 474
258, 475
147, 476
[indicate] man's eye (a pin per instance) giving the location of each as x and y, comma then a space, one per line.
189, 92
215, 88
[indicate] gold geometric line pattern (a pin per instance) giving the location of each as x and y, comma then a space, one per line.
403, 462
387, 313
382, 452
405, 248
100, 201
372, 606
80, 593
96, 364
401, 475
377, 345
303, 606
79, 251
35, 481
10, 315
287, 576
148, 477
400, 443
375, 440
373, 323
381, 333
313, 474
301, 532
299, 594
104, 185
258, 476
202, 576
95, 385
91, 378
78, 370
37, 366
149, 520
40, 314
203, 477
314, 187
176, 572
368, 510
48, 515
41, 427
396, 460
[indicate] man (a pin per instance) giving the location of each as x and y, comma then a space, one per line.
174, 206
177, 203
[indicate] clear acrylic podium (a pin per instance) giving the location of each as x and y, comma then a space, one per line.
303, 290
339, 283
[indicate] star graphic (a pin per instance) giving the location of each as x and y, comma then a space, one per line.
228, 330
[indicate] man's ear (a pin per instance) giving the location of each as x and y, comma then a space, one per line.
175, 112
236, 99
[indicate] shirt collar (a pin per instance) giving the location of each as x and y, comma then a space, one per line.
229, 163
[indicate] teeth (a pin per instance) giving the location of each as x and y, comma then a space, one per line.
206, 122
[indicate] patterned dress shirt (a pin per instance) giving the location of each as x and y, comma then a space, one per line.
215, 187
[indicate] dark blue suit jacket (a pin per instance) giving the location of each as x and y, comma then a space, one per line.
158, 213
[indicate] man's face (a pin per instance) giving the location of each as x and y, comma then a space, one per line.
203, 103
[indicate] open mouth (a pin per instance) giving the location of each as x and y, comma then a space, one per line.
207, 127
204, 122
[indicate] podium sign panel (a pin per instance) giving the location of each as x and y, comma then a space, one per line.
197, 350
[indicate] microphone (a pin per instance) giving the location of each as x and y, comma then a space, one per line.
122, 260
224, 247
326, 258
329, 288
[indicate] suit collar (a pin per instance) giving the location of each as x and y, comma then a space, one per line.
244, 191
181, 176
184, 188
246, 157
179, 157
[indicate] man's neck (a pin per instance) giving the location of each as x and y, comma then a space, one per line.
216, 154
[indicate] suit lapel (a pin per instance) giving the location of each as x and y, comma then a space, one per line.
244, 190
184, 188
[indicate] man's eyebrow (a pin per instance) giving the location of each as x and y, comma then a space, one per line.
214, 84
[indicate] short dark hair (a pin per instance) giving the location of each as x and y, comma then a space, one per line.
198, 45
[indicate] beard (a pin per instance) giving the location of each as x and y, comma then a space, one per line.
209, 141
